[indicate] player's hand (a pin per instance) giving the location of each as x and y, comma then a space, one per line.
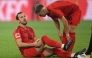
60, 35
68, 37
37, 40
37, 44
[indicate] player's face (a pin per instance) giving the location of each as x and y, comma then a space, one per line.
22, 19
43, 12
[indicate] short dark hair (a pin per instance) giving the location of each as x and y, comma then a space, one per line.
38, 8
17, 15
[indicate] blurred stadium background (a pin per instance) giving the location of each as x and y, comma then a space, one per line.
41, 26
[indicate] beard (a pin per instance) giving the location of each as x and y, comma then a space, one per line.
24, 23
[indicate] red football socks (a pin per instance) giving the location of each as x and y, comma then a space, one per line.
61, 53
50, 42
72, 35
64, 40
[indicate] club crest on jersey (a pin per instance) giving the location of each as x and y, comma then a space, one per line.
17, 35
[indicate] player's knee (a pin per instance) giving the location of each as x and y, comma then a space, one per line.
72, 30
44, 38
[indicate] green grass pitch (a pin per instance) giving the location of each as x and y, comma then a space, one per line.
8, 47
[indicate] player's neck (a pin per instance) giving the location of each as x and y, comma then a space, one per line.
24, 26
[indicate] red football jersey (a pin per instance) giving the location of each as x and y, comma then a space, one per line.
27, 35
61, 8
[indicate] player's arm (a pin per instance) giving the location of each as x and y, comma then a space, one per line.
57, 24
35, 38
22, 44
60, 15
66, 27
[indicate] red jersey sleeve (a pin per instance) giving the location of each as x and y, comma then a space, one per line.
17, 34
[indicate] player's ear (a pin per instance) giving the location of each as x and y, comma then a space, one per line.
43, 8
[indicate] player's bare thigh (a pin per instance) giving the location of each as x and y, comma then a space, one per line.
48, 51
72, 28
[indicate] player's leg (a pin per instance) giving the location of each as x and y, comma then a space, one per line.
43, 51
55, 51
72, 35
65, 54
76, 18
53, 43
47, 52
61, 53
39, 50
73, 23
30, 53
89, 50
